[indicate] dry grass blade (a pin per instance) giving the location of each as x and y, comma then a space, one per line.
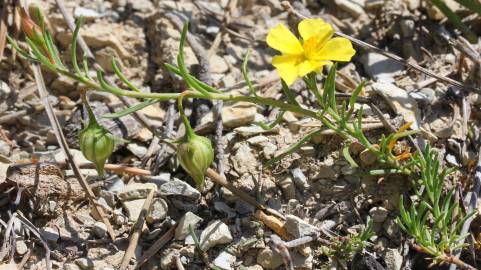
166, 237
3, 29
136, 231
63, 144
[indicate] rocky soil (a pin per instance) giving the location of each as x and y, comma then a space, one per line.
315, 188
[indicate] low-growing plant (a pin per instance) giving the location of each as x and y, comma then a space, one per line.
431, 218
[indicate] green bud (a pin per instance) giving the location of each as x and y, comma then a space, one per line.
96, 144
195, 155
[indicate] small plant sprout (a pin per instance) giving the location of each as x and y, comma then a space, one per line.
433, 220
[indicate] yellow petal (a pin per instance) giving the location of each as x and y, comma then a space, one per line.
308, 66
336, 49
315, 28
283, 40
287, 67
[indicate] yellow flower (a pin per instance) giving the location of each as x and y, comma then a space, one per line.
316, 49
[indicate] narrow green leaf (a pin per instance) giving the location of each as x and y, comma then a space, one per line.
53, 50
122, 77
288, 92
203, 85
348, 157
270, 126
73, 47
246, 75
129, 110
291, 149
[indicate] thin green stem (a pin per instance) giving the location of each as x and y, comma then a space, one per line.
188, 128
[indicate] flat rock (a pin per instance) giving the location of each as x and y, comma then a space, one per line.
225, 261
399, 100
136, 191
378, 214
298, 227
380, 68
20, 247
216, 233
180, 188
354, 8
133, 208
50, 234
244, 161
99, 229
393, 259
237, 115
269, 259
182, 230
158, 210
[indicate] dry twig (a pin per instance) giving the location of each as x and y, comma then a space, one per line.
136, 231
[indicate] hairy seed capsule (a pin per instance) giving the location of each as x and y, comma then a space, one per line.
195, 155
96, 144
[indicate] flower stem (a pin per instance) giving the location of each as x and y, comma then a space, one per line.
189, 132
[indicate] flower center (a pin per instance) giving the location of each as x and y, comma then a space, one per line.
312, 46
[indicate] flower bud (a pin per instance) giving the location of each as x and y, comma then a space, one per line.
96, 144
31, 29
195, 155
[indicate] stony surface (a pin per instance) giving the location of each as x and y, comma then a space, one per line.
315, 188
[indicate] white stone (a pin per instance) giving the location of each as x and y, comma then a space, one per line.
21, 247
182, 230
380, 68
351, 6
225, 261
399, 100
216, 233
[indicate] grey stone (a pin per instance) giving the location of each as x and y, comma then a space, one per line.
300, 180
399, 100
5, 90
424, 96
136, 191
288, 188
20, 247
182, 229
99, 229
86, 13
298, 227
158, 210
117, 185
70, 266
137, 149
258, 140
353, 7
378, 214
180, 188
393, 259
380, 68
216, 233
50, 234
225, 261
133, 208
85, 263
269, 259
224, 208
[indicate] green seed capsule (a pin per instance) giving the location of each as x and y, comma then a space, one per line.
96, 144
195, 155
